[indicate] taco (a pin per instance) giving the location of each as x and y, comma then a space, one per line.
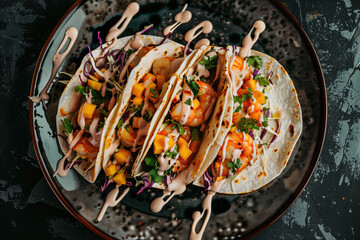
144, 99
260, 126
90, 97
180, 131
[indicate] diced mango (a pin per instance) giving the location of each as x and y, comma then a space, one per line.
171, 143
111, 170
184, 152
120, 178
159, 144
97, 75
88, 110
196, 103
181, 141
160, 80
127, 136
138, 89
149, 76
138, 100
250, 84
259, 96
122, 156
135, 123
95, 85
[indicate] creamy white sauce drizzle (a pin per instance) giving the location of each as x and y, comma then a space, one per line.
180, 18
113, 146
248, 42
176, 187
129, 13
202, 42
186, 109
203, 27
206, 208
111, 200
165, 162
71, 33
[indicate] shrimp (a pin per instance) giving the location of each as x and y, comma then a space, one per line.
239, 69
162, 66
236, 147
85, 149
198, 114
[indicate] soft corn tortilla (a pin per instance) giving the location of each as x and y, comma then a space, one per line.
91, 172
170, 49
269, 162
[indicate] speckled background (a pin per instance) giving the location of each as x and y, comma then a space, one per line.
327, 209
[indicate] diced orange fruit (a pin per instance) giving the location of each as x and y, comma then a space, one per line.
196, 103
111, 170
159, 144
122, 156
233, 128
120, 178
184, 152
138, 100
160, 80
250, 84
255, 115
127, 136
149, 76
259, 96
97, 75
95, 85
181, 141
171, 143
88, 110
152, 98
138, 89
135, 122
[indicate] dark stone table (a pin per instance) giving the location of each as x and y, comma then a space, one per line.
329, 207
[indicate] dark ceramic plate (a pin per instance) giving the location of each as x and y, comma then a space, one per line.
284, 39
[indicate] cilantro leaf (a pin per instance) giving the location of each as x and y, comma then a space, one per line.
240, 100
154, 93
195, 134
234, 166
148, 115
80, 89
155, 177
210, 62
254, 61
67, 125
119, 124
188, 102
169, 171
263, 81
193, 85
173, 153
247, 124
151, 159
176, 125
265, 123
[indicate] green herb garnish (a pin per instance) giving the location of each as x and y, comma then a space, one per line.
154, 93
148, 115
173, 153
254, 61
188, 102
263, 81
247, 124
193, 85
210, 62
104, 112
80, 89
176, 125
265, 123
119, 124
67, 125
234, 166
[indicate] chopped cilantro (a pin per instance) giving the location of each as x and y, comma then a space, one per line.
241, 99
263, 81
188, 102
234, 166
119, 124
100, 125
151, 159
169, 171
254, 61
209, 62
67, 125
195, 134
154, 93
148, 115
155, 177
265, 123
104, 112
176, 125
80, 89
203, 79
192, 85
173, 153
247, 124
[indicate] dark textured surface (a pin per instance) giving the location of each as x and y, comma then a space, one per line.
326, 210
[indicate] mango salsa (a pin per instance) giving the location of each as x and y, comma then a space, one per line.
259, 96
250, 84
138, 89
159, 144
120, 178
138, 100
184, 152
196, 103
111, 170
95, 85
149, 76
181, 141
122, 156
88, 110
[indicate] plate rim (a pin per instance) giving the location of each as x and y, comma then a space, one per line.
282, 210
